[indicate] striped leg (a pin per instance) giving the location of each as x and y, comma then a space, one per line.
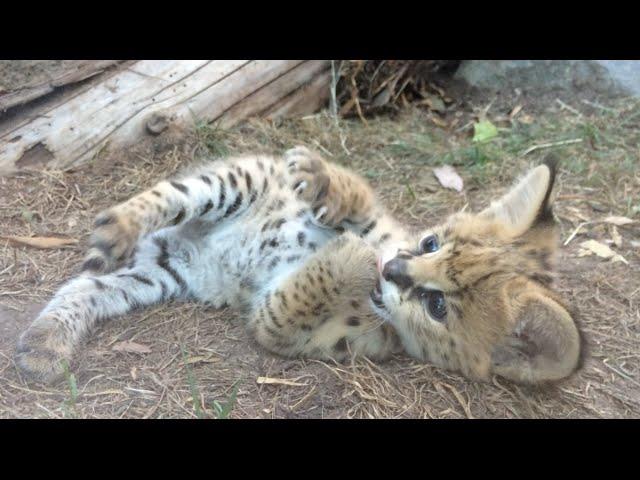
216, 192
88, 301
341, 197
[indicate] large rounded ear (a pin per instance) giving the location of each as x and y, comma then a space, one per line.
527, 203
544, 345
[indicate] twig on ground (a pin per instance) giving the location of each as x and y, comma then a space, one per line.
551, 144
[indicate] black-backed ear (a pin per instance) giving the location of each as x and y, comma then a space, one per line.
545, 344
528, 203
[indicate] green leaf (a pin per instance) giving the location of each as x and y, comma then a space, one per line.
483, 131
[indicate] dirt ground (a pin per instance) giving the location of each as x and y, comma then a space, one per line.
203, 364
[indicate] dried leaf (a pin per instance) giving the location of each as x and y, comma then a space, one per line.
601, 250
448, 177
598, 248
619, 221
483, 131
279, 381
130, 347
40, 242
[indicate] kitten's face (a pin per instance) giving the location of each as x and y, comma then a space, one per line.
474, 293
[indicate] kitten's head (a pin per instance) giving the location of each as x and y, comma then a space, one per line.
474, 294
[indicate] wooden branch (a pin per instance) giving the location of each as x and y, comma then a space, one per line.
148, 97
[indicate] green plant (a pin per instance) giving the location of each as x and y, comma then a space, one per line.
69, 406
221, 410
193, 386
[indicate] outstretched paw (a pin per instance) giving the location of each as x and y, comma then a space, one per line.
42, 351
311, 181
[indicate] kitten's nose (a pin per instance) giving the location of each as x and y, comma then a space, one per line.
395, 271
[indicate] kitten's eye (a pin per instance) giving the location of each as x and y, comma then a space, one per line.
429, 244
437, 305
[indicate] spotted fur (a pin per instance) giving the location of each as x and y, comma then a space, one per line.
295, 244
494, 271
260, 234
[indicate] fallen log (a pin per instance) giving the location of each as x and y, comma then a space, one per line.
149, 97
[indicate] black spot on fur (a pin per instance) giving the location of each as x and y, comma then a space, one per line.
353, 321
232, 180
235, 206
223, 192
274, 262
179, 217
137, 277
355, 304
180, 187
207, 207
301, 238
98, 283
163, 262
156, 193
205, 179
104, 220
368, 228
278, 223
163, 290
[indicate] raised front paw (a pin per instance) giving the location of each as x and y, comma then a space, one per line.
311, 181
42, 350
112, 241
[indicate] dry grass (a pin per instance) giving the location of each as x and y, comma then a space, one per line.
198, 355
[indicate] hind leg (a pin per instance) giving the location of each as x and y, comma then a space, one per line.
322, 310
216, 192
86, 302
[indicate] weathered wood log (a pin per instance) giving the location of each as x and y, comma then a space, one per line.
149, 97
75, 72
